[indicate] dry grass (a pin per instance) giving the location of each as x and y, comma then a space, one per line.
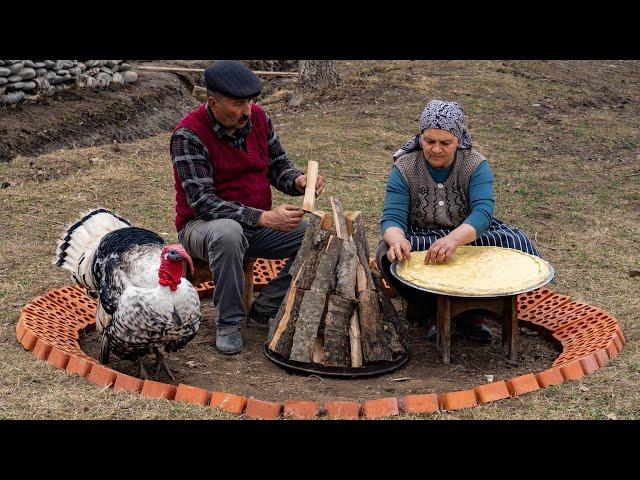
563, 171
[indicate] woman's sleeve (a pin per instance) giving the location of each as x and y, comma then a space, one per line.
396, 203
481, 198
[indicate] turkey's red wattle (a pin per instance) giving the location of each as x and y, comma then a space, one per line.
170, 274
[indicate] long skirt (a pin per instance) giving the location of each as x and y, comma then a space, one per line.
498, 235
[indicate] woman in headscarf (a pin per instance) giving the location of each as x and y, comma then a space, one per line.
440, 196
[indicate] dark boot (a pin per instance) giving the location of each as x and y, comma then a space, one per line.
473, 325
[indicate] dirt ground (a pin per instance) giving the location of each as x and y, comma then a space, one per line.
562, 141
253, 375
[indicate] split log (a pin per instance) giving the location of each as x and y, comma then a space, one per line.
339, 218
336, 331
318, 348
313, 303
374, 342
313, 255
325, 277
389, 312
309, 317
309, 201
395, 341
316, 219
360, 239
282, 340
348, 261
346, 271
354, 340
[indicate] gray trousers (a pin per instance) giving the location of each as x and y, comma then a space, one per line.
223, 244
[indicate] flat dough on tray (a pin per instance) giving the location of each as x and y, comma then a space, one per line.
476, 271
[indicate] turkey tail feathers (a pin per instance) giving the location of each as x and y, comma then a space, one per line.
79, 242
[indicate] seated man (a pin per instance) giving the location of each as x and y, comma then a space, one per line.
440, 196
226, 156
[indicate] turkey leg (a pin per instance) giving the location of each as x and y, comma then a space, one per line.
143, 372
162, 363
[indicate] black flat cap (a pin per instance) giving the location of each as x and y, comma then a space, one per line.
232, 79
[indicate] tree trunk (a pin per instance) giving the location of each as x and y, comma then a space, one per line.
317, 73
314, 74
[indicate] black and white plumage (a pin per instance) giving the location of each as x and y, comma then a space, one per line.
144, 304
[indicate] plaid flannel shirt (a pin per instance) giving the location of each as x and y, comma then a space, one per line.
191, 159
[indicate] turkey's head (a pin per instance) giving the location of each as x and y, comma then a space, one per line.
170, 271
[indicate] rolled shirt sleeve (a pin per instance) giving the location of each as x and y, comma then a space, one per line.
396, 203
481, 200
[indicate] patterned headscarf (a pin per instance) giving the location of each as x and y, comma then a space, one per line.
443, 115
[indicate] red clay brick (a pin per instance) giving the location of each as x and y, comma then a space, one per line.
187, 393
127, 383
457, 400
617, 342
523, 384
228, 402
422, 403
41, 349
58, 358
262, 410
153, 389
343, 410
551, 376
20, 329
602, 357
28, 340
381, 407
589, 364
103, 376
301, 410
79, 365
621, 336
612, 351
572, 371
490, 392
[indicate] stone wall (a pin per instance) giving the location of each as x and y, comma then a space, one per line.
33, 80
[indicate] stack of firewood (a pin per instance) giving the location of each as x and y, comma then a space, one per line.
336, 313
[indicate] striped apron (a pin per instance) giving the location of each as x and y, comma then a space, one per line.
498, 235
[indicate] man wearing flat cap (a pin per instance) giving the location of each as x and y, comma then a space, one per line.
226, 155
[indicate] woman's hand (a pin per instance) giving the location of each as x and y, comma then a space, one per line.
399, 249
399, 246
441, 250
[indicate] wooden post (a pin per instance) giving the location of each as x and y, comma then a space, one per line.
510, 327
443, 336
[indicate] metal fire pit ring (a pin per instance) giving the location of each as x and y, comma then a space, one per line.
338, 372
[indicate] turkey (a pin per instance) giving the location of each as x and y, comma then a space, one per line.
144, 304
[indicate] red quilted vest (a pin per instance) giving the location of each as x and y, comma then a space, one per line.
238, 176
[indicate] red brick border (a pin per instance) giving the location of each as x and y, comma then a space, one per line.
49, 326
